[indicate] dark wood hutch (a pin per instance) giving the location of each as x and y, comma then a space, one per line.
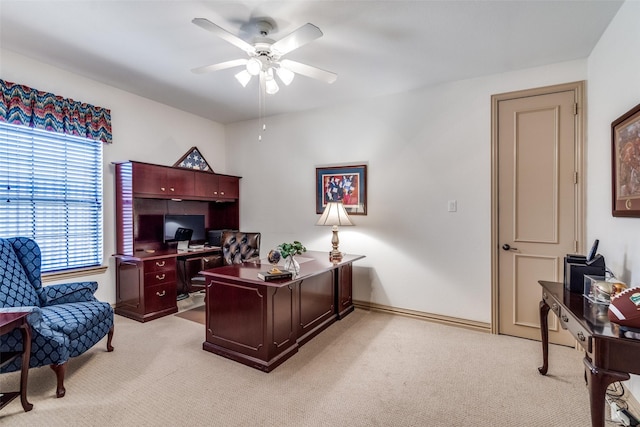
148, 270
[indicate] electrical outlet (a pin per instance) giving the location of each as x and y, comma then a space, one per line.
615, 412
621, 416
627, 418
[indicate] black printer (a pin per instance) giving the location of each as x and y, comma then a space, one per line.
576, 266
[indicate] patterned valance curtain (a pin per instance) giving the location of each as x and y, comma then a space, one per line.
25, 106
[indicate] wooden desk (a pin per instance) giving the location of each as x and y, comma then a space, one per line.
262, 324
9, 322
147, 283
608, 357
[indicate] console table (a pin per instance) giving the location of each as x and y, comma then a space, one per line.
608, 357
9, 322
261, 324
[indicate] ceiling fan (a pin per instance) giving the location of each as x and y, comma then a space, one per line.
265, 55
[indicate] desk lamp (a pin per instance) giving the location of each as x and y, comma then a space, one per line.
334, 214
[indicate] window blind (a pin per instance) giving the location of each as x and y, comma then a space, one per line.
51, 191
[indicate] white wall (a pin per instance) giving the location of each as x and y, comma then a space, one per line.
422, 149
613, 89
143, 130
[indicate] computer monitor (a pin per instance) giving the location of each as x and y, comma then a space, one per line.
193, 222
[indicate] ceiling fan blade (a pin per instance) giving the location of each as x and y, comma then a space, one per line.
309, 71
303, 35
224, 34
219, 66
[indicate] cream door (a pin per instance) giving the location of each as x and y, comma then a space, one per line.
537, 218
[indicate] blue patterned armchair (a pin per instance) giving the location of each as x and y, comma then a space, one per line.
66, 319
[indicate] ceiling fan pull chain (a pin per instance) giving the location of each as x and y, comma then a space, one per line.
261, 106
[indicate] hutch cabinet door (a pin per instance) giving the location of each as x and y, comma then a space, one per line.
180, 182
229, 187
149, 180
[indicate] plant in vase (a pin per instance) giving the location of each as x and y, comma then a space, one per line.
289, 251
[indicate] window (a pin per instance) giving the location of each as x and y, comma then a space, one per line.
51, 191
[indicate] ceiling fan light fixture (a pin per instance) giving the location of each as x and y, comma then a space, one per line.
243, 77
271, 87
285, 75
254, 66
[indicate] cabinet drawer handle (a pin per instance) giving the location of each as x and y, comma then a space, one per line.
160, 264
161, 294
581, 336
215, 192
222, 193
162, 188
172, 189
564, 318
160, 277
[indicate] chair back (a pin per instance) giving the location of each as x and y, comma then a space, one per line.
20, 282
239, 246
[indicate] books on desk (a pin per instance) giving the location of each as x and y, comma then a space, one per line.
275, 274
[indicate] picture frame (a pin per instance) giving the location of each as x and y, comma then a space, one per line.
347, 184
192, 159
625, 164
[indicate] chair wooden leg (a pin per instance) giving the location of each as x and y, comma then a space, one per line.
60, 371
109, 338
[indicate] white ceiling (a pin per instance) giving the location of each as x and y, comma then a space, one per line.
148, 47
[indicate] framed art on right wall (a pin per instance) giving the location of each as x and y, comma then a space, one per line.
625, 164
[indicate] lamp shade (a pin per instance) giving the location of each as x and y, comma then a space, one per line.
334, 214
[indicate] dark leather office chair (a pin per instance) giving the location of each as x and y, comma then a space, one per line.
239, 247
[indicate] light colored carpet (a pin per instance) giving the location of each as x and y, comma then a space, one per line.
369, 369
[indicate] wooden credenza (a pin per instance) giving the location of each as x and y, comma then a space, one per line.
262, 324
150, 272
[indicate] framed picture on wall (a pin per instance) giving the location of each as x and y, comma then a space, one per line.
346, 184
625, 164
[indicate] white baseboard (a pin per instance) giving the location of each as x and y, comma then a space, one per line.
437, 318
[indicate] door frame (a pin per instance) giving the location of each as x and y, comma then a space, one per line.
578, 90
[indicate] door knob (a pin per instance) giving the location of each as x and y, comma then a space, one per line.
506, 247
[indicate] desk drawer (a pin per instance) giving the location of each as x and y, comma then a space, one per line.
159, 277
160, 265
581, 334
160, 297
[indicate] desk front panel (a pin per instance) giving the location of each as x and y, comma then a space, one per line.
236, 316
251, 323
316, 304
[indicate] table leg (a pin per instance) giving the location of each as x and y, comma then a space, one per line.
544, 331
599, 380
24, 371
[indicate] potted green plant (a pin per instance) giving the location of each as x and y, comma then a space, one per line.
289, 251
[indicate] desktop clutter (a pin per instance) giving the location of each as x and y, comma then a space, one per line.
604, 294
